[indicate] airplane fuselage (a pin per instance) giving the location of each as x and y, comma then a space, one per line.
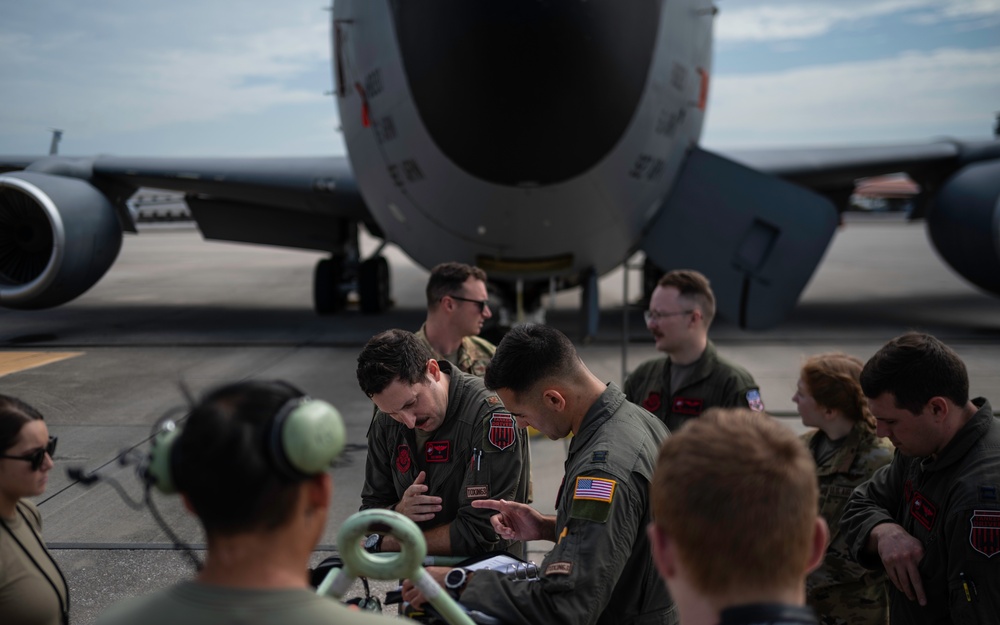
532, 140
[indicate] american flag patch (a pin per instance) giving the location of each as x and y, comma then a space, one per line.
594, 488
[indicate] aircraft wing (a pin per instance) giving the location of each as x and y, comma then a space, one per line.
757, 223
72, 210
834, 171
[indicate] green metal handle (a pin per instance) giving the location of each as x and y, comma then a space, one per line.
407, 564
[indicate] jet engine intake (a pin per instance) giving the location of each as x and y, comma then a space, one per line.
964, 224
58, 237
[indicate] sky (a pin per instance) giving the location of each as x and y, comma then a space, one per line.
252, 78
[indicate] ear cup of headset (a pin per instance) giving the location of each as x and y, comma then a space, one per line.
158, 469
307, 435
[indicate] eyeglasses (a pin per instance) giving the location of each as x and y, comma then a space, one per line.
482, 303
37, 457
655, 315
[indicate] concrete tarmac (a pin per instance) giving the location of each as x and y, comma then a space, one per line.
176, 310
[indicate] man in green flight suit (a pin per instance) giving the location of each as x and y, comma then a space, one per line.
692, 377
600, 570
438, 442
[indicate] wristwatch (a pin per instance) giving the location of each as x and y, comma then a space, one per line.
373, 543
456, 580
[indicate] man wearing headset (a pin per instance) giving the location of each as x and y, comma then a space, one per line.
262, 496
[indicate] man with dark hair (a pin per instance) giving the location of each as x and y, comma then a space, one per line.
931, 518
457, 307
600, 570
439, 441
692, 377
736, 524
261, 523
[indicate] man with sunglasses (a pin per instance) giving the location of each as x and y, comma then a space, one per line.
692, 377
457, 307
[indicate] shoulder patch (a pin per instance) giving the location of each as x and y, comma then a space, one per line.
985, 533
599, 456
987, 493
503, 430
493, 400
592, 497
754, 400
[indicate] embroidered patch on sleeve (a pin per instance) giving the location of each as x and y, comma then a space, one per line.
559, 568
503, 430
599, 456
985, 533
592, 498
754, 400
493, 400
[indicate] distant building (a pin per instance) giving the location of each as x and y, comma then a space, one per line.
894, 192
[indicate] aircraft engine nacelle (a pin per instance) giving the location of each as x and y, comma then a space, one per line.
964, 224
58, 236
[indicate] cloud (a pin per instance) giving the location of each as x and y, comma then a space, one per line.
915, 94
112, 67
779, 20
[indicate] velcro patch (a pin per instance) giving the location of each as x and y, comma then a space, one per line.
985, 533
437, 451
477, 492
559, 568
688, 405
599, 456
503, 430
923, 510
403, 458
592, 498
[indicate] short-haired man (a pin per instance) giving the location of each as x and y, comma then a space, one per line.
692, 377
457, 307
438, 442
600, 570
931, 518
261, 520
736, 525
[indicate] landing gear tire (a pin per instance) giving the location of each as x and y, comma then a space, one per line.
373, 285
328, 296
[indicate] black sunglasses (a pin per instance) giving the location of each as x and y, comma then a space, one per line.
482, 303
37, 457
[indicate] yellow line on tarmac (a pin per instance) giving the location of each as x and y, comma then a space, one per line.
12, 362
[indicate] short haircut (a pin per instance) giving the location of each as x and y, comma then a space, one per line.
736, 492
221, 460
833, 380
915, 367
694, 286
390, 356
448, 278
14, 413
529, 354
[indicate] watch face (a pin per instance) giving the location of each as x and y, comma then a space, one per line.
455, 578
371, 542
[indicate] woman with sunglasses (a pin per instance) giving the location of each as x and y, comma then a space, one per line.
32, 588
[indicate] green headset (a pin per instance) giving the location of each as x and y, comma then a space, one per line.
303, 439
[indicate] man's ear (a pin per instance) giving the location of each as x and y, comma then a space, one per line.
938, 407
553, 399
433, 370
821, 536
664, 555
